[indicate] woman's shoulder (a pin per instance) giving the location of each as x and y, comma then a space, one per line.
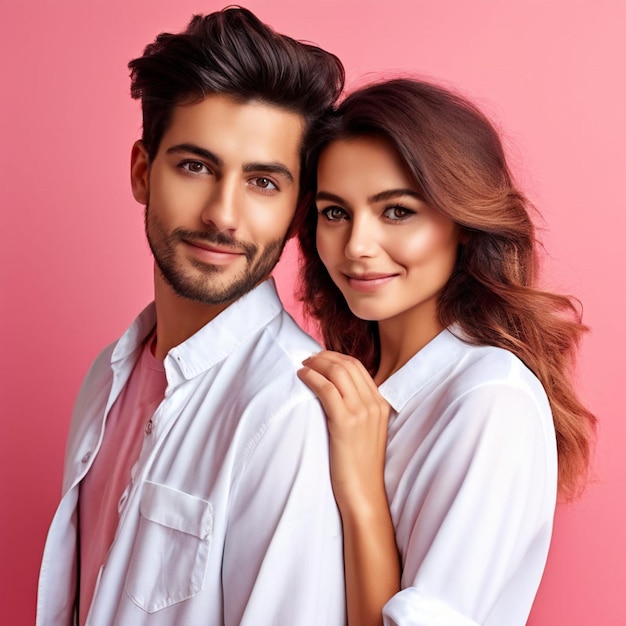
452, 370
492, 387
483, 403
485, 366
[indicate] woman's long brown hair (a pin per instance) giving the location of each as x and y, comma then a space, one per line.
457, 161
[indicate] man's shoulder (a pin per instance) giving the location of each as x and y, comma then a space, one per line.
290, 339
282, 343
267, 365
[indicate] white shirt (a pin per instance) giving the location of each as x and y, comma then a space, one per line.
230, 518
471, 475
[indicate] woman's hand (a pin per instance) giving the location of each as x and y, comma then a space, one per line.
357, 424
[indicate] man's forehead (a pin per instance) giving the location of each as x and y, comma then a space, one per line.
254, 130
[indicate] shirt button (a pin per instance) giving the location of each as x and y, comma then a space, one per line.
86, 457
149, 427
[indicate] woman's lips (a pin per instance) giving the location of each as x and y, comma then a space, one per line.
368, 283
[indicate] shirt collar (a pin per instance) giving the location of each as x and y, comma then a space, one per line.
135, 335
440, 353
232, 327
214, 341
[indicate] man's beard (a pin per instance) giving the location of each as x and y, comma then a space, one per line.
208, 286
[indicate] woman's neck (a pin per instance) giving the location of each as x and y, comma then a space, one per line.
401, 339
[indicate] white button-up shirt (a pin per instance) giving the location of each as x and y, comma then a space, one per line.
230, 517
471, 478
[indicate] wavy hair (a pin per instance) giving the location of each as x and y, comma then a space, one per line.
457, 161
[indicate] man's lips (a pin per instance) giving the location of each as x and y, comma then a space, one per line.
212, 253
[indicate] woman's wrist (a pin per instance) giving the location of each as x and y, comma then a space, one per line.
363, 506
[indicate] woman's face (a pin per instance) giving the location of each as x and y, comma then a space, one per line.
389, 253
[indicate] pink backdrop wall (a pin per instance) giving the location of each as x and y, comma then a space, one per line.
74, 268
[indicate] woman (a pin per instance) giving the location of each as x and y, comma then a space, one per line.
419, 262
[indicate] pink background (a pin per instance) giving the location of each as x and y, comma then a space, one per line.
74, 268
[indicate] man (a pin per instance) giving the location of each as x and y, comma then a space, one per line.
196, 487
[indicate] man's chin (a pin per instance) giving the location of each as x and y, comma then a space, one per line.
218, 293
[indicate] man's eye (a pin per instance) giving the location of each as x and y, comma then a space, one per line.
265, 183
195, 167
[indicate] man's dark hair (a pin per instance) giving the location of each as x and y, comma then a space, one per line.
232, 52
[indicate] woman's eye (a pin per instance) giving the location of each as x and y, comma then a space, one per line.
334, 213
398, 213
265, 183
195, 167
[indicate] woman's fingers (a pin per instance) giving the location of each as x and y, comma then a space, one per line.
324, 389
333, 364
349, 378
345, 389
357, 424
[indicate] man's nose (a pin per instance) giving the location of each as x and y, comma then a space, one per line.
221, 208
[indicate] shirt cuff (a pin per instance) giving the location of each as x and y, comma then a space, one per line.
412, 607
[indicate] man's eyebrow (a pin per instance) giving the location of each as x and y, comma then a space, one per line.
197, 150
270, 168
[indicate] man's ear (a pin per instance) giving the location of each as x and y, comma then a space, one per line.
139, 172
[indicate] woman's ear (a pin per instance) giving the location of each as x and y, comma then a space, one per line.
139, 172
464, 236
299, 216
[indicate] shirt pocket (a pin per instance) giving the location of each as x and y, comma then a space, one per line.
170, 555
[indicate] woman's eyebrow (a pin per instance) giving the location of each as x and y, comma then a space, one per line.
389, 194
331, 197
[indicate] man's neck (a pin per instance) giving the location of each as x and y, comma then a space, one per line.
178, 318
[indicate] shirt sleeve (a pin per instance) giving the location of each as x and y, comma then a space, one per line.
283, 556
476, 517
412, 606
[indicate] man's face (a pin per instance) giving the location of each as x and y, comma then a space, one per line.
220, 195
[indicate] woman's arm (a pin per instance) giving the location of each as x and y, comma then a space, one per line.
357, 425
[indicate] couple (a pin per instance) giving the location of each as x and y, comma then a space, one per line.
196, 486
